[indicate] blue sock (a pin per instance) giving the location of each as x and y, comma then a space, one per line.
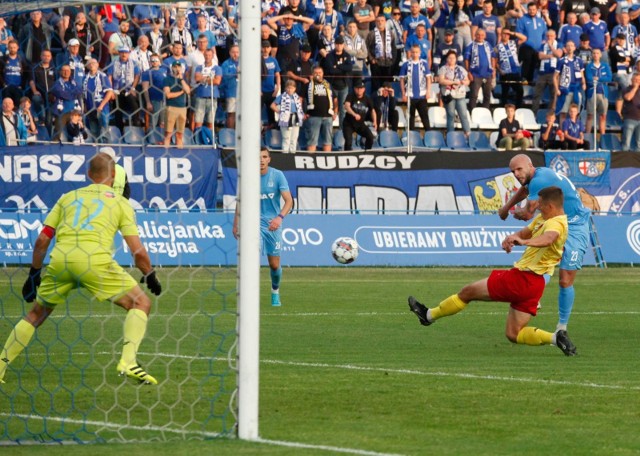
565, 304
276, 275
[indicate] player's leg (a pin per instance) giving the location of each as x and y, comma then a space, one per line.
21, 335
272, 245
574, 250
477, 291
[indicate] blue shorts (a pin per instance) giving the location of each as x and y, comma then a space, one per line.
271, 241
575, 247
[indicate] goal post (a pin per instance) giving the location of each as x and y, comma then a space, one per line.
248, 155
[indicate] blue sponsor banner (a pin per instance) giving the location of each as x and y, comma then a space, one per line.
585, 169
161, 178
205, 239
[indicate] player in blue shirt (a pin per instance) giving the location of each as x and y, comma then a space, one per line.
273, 187
533, 180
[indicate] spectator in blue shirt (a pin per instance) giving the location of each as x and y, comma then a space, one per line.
478, 61
67, 97
411, 22
421, 40
598, 32
270, 82
569, 81
152, 90
125, 76
598, 75
143, 16
229, 86
489, 22
535, 29
208, 76
573, 130
97, 92
570, 31
14, 73
508, 66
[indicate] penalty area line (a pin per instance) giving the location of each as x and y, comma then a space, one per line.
333, 449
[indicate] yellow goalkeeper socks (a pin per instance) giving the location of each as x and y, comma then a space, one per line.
16, 342
450, 306
534, 336
135, 326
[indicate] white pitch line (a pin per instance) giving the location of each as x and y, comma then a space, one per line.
323, 447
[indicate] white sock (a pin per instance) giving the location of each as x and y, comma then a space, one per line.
429, 318
553, 338
561, 326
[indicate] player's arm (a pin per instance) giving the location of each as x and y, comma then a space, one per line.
510, 241
30, 287
526, 213
143, 263
544, 240
276, 222
518, 196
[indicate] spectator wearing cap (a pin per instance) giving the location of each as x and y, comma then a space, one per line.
84, 32
598, 32
584, 51
120, 40
598, 76
289, 106
489, 22
97, 93
549, 54
507, 66
75, 61
381, 48
301, 70
363, 15
153, 93
14, 73
291, 34
179, 33
176, 89
271, 82
415, 84
356, 47
337, 66
570, 31
535, 29
321, 111
124, 75
359, 108
229, 85
43, 77
67, 96
384, 102
35, 36
13, 132
444, 47
208, 77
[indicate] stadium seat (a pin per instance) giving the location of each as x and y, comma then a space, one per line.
541, 116
115, 136
133, 135
389, 139
413, 137
614, 122
273, 139
527, 94
187, 137
498, 115
479, 141
203, 136
227, 137
437, 117
482, 119
338, 141
456, 140
155, 136
592, 143
402, 119
493, 139
433, 95
434, 140
527, 119
610, 141
43, 133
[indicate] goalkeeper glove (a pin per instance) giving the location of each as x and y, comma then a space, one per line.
153, 284
30, 287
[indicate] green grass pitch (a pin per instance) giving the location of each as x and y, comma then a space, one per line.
346, 368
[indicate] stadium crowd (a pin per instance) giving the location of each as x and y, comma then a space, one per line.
79, 73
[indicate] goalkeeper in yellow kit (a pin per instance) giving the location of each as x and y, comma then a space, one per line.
84, 223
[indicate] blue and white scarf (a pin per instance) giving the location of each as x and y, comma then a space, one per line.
287, 105
508, 57
382, 51
123, 74
475, 54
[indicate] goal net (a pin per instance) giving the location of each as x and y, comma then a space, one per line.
64, 386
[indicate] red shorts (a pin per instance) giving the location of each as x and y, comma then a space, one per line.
522, 289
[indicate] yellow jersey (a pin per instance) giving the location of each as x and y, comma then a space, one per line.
543, 260
86, 221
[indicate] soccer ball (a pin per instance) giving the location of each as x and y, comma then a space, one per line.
345, 250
